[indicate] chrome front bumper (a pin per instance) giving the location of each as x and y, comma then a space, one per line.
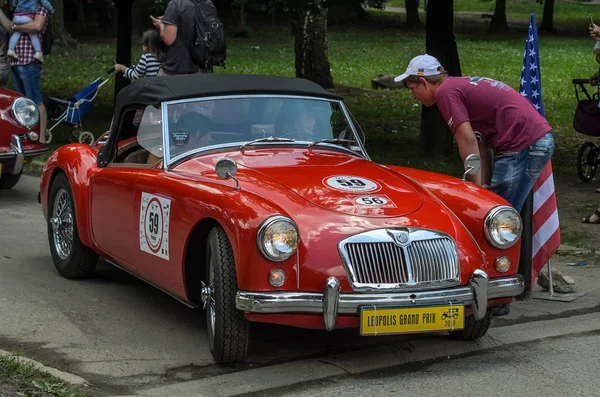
332, 302
18, 154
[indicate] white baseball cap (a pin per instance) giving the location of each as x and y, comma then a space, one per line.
421, 65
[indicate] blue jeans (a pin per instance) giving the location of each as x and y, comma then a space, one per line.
515, 173
27, 81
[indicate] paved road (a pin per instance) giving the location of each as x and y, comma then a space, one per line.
564, 366
128, 338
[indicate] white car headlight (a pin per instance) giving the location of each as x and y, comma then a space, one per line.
503, 226
278, 238
25, 112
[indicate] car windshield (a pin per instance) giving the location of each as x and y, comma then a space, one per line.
196, 124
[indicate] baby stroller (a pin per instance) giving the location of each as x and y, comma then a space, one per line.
70, 111
586, 121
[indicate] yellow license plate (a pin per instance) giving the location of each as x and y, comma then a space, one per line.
0, 169
387, 320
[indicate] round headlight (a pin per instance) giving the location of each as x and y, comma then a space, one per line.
25, 112
278, 238
503, 226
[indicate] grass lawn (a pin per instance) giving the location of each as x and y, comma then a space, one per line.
18, 378
358, 53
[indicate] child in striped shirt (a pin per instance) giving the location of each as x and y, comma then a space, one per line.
148, 65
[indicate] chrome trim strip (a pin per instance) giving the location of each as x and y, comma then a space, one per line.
349, 303
354, 130
15, 144
416, 268
28, 153
37, 152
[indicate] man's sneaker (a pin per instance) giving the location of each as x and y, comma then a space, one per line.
11, 53
39, 56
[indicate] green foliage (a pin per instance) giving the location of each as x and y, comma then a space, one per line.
24, 380
357, 53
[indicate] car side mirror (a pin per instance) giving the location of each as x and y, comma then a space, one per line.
472, 165
225, 169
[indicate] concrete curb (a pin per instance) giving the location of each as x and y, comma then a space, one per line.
64, 376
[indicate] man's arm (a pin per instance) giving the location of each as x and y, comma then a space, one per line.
168, 33
5, 22
34, 26
467, 144
486, 163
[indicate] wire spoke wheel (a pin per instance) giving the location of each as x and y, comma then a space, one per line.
62, 224
71, 257
587, 161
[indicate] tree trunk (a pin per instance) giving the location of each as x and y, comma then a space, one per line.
62, 38
124, 30
243, 14
80, 16
436, 137
412, 13
499, 22
310, 30
548, 18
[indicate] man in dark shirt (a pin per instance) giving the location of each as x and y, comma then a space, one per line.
177, 30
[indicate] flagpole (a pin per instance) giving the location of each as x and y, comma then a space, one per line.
525, 259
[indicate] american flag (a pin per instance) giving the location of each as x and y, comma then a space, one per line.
546, 231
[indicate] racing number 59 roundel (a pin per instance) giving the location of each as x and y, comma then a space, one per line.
154, 225
349, 183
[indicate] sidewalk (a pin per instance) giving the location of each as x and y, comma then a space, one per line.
586, 280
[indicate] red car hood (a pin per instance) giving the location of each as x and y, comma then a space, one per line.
340, 183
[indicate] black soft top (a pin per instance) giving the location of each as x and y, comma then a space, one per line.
154, 90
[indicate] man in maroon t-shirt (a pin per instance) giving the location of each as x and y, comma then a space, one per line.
490, 119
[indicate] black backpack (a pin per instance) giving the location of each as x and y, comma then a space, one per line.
47, 38
208, 47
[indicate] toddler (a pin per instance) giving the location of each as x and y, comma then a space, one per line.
25, 12
153, 50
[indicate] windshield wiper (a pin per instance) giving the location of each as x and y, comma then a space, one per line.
267, 139
332, 140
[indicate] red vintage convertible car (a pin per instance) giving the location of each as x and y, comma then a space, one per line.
253, 197
19, 136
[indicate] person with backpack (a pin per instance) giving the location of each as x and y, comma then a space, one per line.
26, 69
194, 36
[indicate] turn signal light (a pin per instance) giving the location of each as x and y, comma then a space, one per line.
277, 278
502, 264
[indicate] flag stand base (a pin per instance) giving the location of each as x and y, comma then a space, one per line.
551, 296
547, 295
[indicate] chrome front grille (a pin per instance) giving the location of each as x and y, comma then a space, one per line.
400, 258
376, 263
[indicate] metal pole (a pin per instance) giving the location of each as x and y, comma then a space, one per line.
551, 286
526, 246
